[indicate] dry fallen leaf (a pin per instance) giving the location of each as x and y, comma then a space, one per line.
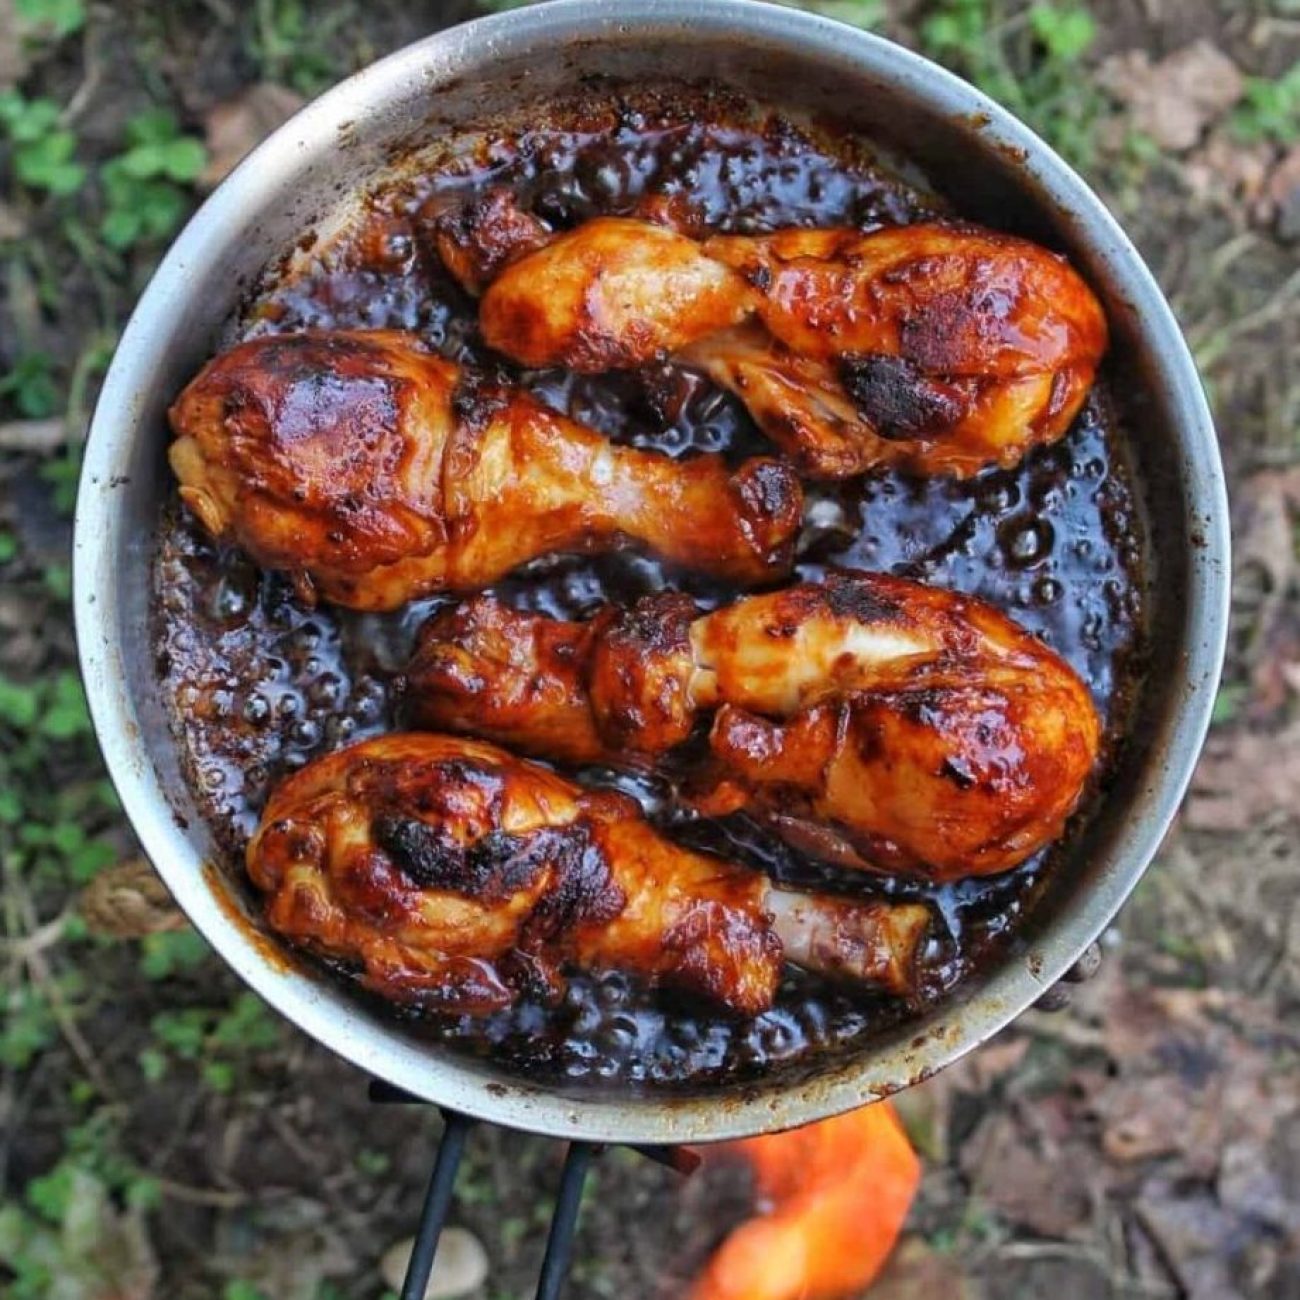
236, 126
1229, 172
925, 1108
1194, 1237
1175, 99
916, 1272
1244, 777
1162, 1116
1045, 1190
1281, 199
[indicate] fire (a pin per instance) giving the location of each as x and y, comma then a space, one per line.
832, 1201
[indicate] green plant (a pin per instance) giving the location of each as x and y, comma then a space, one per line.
241, 1290
219, 1041
144, 185
1270, 108
1030, 64
70, 1237
1229, 702
42, 148
29, 1026
292, 44
1066, 32
31, 386
172, 953
371, 1163
56, 17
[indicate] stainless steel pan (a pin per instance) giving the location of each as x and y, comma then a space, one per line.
994, 169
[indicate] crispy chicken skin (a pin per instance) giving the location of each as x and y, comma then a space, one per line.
455, 875
615, 293
375, 473
875, 721
940, 348
476, 240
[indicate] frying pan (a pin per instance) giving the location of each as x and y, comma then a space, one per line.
992, 167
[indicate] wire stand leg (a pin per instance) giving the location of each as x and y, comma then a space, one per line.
436, 1202
559, 1244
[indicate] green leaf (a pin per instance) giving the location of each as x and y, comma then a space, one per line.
144, 1192
184, 159
162, 210
144, 161
153, 1063
240, 1290
46, 163
50, 1194
28, 120
66, 838
120, 228
1066, 32
30, 382
62, 473
1228, 702
18, 705
61, 17
68, 714
90, 859
1270, 109
58, 581
27, 1029
167, 954
152, 126
11, 807
183, 1031
218, 1075
247, 1025
8, 546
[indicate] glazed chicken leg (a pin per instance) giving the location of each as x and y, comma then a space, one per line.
376, 473
941, 348
458, 876
875, 721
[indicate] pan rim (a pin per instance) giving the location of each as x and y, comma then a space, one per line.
444, 1078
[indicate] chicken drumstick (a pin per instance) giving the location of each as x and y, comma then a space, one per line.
938, 347
457, 875
877, 722
377, 473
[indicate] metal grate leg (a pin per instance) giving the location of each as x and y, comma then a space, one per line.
436, 1202
559, 1244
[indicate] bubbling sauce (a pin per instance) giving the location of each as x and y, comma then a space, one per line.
258, 684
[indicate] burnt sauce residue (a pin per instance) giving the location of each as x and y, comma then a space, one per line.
258, 684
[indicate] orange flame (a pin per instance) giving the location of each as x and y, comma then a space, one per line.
832, 1199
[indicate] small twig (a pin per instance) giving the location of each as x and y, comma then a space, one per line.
94, 72
214, 1196
22, 947
40, 437
68, 1027
20, 904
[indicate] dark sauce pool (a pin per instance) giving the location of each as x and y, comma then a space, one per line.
257, 684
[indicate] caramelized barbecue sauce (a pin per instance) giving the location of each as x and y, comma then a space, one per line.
258, 685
